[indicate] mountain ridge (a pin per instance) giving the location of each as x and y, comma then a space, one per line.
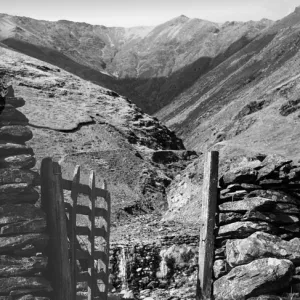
141, 63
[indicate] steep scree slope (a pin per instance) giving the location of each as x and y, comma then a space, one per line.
250, 100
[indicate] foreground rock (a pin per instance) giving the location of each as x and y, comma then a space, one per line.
262, 276
259, 245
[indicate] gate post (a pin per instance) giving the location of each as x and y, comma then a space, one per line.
53, 204
206, 242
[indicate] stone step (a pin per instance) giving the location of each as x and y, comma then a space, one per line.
15, 101
23, 161
8, 149
15, 133
10, 114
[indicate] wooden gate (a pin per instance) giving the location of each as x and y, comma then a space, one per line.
63, 258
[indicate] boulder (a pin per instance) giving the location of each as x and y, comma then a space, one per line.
262, 276
21, 266
17, 193
260, 245
23, 161
16, 133
10, 284
270, 164
244, 229
38, 241
8, 176
9, 149
10, 115
277, 196
256, 203
15, 101
31, 226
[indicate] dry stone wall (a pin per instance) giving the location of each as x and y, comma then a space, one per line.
23, 237
257, 253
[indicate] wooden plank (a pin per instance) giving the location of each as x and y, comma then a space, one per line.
107, 238
85, 230
91, 267
85, 210
81, 254
53, 204
73, 238
206, 242
83, 188
84, 276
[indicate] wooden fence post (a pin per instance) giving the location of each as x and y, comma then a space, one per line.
206, 242
91, 267
107, 238
73, 237
53, 204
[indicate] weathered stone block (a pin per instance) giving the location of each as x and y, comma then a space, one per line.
19, 212
15, 101
244, 229
11, 114
220, 268
9, 149
257, 203
277, 196
238, 175
16, 133
21, 266
260, 245
262, 276
8, 176
31, 226
270, 164
13, 243
17, 193
253, 215
10, 284
23, 161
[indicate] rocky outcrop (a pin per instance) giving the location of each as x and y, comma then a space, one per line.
23, 236
258, 236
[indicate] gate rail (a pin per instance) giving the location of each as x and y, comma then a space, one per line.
64, 273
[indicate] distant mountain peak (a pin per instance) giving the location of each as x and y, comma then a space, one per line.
297, 10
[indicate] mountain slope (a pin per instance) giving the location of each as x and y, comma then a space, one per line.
241, 100
149, 65
77, 122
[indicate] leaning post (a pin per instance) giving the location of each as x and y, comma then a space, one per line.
208, 211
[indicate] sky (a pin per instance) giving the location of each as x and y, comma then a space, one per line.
128, 13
